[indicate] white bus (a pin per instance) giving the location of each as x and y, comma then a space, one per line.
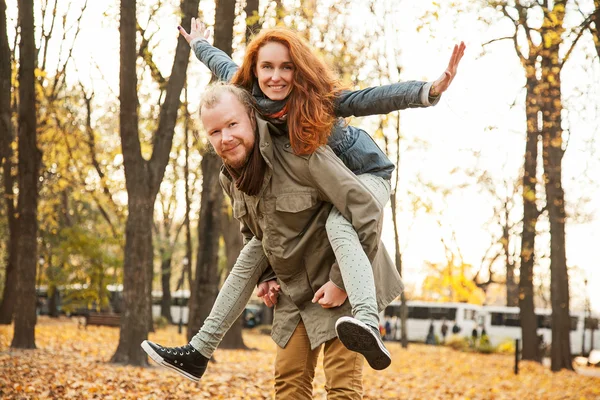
179, 305
253, 313
503, 323
421, 314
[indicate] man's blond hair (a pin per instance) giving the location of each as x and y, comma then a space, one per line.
213, 93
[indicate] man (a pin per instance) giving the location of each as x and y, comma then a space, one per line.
287, 218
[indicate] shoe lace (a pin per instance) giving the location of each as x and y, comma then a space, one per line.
187, 349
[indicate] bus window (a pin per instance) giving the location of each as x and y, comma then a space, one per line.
420, 312
470, 315
592, 323
392, 311
505, 319
180, 301
574, 321
544, 321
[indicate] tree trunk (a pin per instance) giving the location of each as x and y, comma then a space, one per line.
205, 288
206, 281
398, 254
143, 180
187, 267
253, 23
53, 300
29, 165
398, 260
530, 216
165, 280
552, 158
232, 237
187, 264
280, 12
138, 236
6, 155
512, 290
224, 18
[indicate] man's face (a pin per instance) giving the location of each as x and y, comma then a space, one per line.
230, 130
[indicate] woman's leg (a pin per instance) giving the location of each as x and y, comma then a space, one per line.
356, 269
232, 298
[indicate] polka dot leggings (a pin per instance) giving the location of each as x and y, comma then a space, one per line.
356, 269
232, 298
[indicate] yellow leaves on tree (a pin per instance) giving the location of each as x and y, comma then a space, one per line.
449, 283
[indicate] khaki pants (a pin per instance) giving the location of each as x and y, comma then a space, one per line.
295, 369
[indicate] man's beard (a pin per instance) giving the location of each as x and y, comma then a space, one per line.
239, 166
249, 176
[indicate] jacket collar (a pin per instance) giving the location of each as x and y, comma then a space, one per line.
264, 139
264, 131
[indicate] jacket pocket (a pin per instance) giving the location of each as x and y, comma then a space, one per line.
295, 202
239, 209
294, 214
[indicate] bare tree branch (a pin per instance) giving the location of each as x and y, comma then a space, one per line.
498, 39
91, 142
60, 74
145, 54
582, 28
47, 35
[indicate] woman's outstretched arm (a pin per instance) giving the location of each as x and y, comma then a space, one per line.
216, 60
398, 96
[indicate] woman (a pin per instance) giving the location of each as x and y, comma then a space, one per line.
297, 92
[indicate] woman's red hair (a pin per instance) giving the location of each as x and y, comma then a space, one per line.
310, 103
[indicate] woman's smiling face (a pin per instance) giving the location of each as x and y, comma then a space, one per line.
275, 70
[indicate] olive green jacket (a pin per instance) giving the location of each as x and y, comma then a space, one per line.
289, 216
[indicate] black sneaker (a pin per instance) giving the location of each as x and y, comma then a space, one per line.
185, 360
360, 337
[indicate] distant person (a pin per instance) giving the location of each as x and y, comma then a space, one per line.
382, 330
484, 340
455, 328
444, 330
474, 337
250, 320
388, 329
430, 335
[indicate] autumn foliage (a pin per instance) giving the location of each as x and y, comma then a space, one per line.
72, 363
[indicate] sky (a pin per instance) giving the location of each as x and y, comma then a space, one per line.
481, 114
481, 97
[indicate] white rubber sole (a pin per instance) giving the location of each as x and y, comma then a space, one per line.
359, 337
161, 361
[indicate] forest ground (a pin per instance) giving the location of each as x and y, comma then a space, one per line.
72, 362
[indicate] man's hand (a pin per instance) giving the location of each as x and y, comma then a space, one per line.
330, 296
443, 82
268, 292
197, 29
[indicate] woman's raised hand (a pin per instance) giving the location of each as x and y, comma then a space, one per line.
444, 81
197, 30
